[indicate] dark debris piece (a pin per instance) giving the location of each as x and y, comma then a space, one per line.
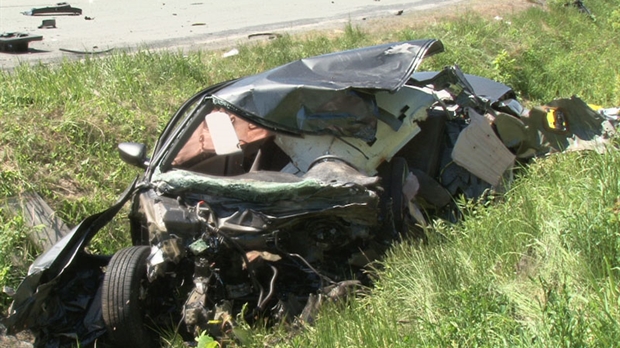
17, 42
61, 8
581, 7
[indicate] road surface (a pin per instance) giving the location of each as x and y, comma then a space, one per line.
187, 24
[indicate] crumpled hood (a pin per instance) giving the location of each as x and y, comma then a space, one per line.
331, 93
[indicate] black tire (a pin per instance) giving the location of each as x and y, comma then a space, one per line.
121, 304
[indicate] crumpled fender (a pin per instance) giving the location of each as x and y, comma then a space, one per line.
45, 271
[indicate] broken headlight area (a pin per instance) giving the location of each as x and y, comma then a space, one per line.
296, 237
268, 195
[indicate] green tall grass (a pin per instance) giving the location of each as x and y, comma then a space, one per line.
538, 269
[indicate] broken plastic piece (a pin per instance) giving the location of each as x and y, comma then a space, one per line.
231, 53
577, 127
478, 150
17, 42
556, 121
61, 8
48, 24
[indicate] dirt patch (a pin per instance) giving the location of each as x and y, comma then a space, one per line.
420, 19
485, 8
23, 339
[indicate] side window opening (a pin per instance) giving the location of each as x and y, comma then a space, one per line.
212, 150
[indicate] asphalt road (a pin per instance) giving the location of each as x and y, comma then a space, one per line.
186, 24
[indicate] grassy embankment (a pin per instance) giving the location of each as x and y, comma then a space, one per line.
539, 269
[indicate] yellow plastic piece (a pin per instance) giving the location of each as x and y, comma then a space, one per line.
595, 107
556, 121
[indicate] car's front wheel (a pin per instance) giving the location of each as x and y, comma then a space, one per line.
123, 298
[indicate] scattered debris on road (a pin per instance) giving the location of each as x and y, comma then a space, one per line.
95, 50
48, 24
17, 42
269, 36
61, 8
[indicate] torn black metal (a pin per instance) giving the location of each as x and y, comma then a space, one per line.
319, 91
58, 299
17, 42
324, 163
61, 8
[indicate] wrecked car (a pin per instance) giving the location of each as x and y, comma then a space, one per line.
268, 194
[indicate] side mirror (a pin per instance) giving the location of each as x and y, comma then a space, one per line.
134, 154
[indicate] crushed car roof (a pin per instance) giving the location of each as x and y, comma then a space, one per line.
291, 97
